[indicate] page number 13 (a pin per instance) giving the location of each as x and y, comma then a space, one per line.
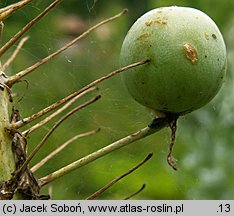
224, 208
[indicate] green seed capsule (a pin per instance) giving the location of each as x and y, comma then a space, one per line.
187, 57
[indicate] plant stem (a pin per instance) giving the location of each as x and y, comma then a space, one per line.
7, 11
19, 34
37, 115
7, 161
136, 193
107, 186
63, 118
13, 56
57, 112
15, 78
161, 123
60, 148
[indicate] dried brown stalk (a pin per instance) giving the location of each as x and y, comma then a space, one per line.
27, 120
170, 158
38, 147
15, 78
107, 186
7, 11
54, 114
144, 132
19, 34
39, 114
60, 148
137, 192
13, 56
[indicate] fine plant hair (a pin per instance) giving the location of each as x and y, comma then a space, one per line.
17, 178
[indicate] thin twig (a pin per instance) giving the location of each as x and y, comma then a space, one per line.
137, 192
7, 11
161, 123
107, 186
37, 115
14, 78
170, 158
60, 148
38, 147
13, 56
19, 34
94, 83
50, 117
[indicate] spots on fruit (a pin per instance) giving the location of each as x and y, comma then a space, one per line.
161, 21
207, 36
190, 53
143, 36
149, 23
214, 36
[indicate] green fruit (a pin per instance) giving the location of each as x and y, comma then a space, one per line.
187, 57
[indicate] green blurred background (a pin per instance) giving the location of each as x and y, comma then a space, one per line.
205, 141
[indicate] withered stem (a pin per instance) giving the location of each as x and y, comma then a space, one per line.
7, 11
60, 148
38, 147
37, 115
14, 78
14, 54
104, 151
137, 192
50, 117
19, 34
27, 120
107, 186
170, 158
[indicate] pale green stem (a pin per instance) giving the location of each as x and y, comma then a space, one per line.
104, 151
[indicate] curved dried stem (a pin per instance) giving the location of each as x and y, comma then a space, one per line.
152, 128
170, 158
137, 192
107, 186
39, 114
7, 11
13, 56
19, 34
15, 78
49, 118
94, 83
60, 148
38, 147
